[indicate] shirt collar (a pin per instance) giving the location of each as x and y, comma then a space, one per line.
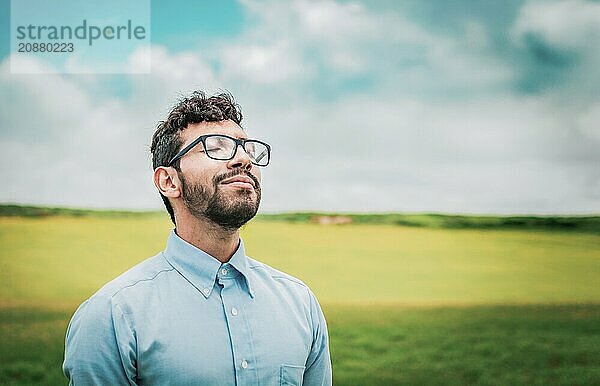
239, 261
200, 268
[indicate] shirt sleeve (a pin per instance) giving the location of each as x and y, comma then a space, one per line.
100, 345
318, 364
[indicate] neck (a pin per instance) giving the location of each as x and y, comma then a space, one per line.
219, 242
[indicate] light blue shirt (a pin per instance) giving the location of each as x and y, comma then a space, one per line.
184, 318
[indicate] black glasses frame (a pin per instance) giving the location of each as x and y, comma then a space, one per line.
238, 143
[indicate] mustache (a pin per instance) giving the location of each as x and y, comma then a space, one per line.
236, 172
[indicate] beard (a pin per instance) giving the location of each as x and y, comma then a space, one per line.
229, 211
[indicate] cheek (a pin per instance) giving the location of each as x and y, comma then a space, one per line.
257, 174
201, 176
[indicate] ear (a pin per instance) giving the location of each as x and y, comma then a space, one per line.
167, 182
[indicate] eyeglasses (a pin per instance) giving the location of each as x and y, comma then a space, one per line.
223, 148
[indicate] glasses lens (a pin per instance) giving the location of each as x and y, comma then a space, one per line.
258, 152
219, 147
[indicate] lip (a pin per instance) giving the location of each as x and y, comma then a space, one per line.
239, 181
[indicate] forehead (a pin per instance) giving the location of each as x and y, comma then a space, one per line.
227, 127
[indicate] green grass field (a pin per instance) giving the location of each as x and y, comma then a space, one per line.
405, 305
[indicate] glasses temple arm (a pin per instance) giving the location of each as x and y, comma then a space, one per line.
185, 150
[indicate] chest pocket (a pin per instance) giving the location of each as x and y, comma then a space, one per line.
290, 375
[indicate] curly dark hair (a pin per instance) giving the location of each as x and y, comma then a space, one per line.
197, 107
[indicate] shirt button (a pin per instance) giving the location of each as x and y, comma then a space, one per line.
244, 364
224, 271
206, 290
234, 311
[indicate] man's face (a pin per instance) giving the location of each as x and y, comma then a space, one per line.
224, 192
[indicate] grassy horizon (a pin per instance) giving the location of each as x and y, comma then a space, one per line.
579, 223
404, 265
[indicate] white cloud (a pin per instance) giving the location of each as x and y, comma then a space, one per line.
493, 155
66, 146
263, 64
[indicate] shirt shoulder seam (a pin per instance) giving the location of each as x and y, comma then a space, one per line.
140, 280
276, 276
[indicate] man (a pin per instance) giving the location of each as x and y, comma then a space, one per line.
202, 312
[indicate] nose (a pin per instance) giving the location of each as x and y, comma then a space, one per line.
240, 159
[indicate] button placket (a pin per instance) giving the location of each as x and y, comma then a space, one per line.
232, 296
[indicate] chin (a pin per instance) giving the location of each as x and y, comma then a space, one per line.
241, 195
239, 192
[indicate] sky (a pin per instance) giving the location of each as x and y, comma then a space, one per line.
382, 106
